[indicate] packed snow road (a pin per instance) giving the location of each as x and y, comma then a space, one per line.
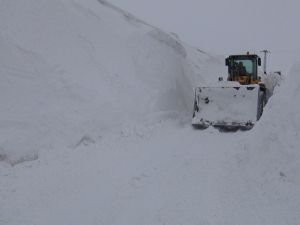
168, 173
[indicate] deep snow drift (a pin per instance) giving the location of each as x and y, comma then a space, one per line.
102, 102
70, 70
270, 157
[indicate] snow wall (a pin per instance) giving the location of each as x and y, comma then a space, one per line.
70, 69
266, 173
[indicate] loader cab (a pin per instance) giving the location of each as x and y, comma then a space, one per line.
243, 68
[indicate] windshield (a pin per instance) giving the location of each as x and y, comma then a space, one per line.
244, 67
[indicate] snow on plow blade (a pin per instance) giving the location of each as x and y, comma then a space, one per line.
227, 106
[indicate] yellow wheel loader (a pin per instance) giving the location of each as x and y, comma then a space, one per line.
235, 103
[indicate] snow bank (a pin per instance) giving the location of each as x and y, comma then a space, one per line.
269, 159
70, 69
277, 133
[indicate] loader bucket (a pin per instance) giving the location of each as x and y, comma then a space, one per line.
227, 106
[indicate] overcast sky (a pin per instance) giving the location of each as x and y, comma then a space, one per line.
228, 26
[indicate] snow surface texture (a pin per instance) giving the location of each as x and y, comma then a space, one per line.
98, 98
70, 69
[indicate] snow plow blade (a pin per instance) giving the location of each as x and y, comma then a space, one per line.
228, 107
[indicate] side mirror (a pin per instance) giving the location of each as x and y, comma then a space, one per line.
259, 61
226, 62
220, 79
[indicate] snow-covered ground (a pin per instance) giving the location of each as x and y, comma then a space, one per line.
95, 127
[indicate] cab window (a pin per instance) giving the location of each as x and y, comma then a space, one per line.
247, 64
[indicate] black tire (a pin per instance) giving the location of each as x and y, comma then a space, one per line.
261, 103
200, 126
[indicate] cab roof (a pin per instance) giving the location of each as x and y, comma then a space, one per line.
246, 56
